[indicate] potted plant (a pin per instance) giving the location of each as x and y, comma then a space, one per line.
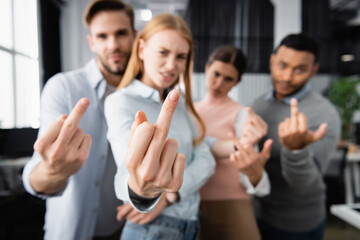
344, 95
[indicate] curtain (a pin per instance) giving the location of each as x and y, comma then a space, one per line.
247, 24
50, 11
316, 22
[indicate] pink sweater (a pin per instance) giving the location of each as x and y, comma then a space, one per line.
219, 117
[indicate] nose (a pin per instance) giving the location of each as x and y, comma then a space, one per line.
218, 82
112, 43
287, 75
170, 63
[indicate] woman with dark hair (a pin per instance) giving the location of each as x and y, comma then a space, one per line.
226, 210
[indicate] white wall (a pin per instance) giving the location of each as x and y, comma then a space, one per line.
75, 50
287, 18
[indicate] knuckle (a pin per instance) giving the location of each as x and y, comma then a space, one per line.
172, 143
69, 125
164, 181
80, 131
39, 145
54, 155
130, 165
147, 176
160, 133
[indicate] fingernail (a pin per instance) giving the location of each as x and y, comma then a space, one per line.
174, 95
84, 101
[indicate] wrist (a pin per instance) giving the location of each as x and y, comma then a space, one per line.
172, 198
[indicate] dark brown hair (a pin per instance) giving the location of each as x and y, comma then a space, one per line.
107, 5
229, 54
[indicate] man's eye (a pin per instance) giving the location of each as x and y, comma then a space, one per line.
216, 74
299, 70
101, 36
121, 33
282, 65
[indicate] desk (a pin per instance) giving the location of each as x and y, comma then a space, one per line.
352, 177
10, 171
347, 213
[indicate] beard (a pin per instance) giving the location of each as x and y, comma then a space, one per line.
118, 69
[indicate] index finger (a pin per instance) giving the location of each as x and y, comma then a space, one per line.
71, 123
164, 119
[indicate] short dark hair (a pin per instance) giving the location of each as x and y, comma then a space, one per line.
107, 5
301, 42
229, 54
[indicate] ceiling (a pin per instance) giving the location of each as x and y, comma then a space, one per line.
144, 9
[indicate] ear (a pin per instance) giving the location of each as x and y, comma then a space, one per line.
315, 69
206, 67
272, 60
91, 42
141, 49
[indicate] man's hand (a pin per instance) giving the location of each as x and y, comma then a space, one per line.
254, 129
249, 161
132, 215
64, 148
153, 161
294, 133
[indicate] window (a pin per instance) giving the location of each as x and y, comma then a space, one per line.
19, 64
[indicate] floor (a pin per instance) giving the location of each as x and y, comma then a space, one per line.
338, 230
21, 217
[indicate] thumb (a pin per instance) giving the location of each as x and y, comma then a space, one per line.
265, 153
250, 111
320, 132
140, 117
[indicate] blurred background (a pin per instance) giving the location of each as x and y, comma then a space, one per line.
40, 38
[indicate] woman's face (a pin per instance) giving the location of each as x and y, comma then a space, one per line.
164, 56
220, 78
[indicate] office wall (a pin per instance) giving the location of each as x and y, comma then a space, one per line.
75, 52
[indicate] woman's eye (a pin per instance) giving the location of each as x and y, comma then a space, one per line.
182, 57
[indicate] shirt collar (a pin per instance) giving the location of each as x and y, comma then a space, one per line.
298, 95
138, 88
95, 78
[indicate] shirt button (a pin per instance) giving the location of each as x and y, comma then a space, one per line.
97, 183
103, 156
94, 210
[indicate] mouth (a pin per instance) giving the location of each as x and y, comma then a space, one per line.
167, 76
283, 85
116, 57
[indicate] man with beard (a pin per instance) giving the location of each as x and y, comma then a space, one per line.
305, 128
75, 171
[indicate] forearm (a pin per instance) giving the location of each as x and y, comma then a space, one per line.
222, 149
300, 170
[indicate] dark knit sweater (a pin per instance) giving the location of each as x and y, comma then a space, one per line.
298, 193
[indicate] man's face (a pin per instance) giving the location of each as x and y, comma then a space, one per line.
111, 37
290, 70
